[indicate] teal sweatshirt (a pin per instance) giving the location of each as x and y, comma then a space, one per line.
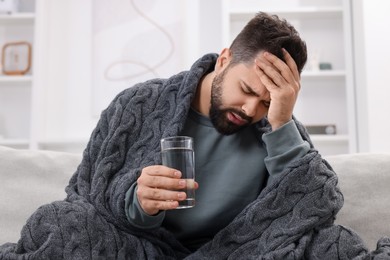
231, 172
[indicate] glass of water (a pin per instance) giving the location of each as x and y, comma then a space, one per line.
178, 153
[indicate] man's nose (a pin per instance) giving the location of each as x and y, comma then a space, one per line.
250, 108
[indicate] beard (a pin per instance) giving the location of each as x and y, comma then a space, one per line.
218, 114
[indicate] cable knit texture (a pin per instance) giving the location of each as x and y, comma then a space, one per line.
291, 219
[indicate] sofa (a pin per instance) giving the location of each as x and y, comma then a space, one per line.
29, 179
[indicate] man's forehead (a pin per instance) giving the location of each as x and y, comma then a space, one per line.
252, 79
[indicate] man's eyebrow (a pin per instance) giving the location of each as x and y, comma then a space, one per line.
252, 92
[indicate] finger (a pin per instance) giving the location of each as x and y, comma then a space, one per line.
161, 170
282, 68
161, 182
162, 205
269, 76
161, 194
291, 64
196, 185
152, 200
152, 207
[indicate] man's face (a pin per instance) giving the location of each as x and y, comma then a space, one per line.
238, 98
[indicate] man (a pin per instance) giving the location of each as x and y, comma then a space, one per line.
263, 190
245, 83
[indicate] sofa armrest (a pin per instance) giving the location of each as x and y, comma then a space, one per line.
364, 180
29, 179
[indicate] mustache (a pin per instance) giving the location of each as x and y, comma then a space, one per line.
241, 114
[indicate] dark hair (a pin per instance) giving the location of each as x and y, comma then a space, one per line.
269, 33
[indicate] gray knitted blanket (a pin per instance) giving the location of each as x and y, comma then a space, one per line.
291, 219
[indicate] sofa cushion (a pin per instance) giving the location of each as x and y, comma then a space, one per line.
29, 179
364, 180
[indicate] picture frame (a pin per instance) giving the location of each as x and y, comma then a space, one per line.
16, 58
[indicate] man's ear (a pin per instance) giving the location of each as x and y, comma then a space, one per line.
223, 60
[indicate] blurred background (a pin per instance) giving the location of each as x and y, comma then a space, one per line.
63, 61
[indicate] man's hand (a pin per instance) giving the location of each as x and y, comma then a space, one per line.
158, 189
282, 80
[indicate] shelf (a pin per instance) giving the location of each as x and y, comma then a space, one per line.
16, 18
323, 74
329, 138
14, 142
16, 91
302, 12
15, 79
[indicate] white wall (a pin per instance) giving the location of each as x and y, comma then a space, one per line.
65, 89
372, 56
